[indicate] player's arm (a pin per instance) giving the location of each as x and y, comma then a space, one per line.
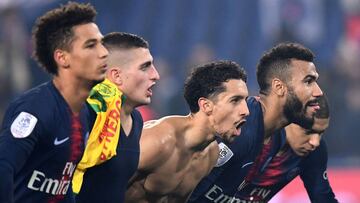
17, 140
314, 176
156, 145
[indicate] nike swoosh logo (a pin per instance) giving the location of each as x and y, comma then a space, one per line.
247, 164
58, 142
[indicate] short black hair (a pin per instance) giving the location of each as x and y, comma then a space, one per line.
53, 30
207, 81
276, 63
123, 40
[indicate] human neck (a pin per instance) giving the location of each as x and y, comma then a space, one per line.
74, 92
273, 115
200, 135
125, 113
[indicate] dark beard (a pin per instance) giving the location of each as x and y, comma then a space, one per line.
295, 113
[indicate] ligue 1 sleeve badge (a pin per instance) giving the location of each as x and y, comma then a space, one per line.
23, 125
225, 154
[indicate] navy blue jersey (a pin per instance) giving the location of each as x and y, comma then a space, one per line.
41, 142
263, 173
314, 175
234, 160
107, 182
282, 169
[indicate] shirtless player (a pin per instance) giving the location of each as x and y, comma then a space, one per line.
177, 151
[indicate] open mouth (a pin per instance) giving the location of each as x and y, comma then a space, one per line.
240, 124
238, 127
149, 90
314, 105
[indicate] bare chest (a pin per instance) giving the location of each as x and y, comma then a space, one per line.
179, 176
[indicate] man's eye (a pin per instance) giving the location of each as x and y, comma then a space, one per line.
308, 81
90, 45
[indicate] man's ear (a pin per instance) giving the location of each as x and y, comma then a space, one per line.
61, 58
278, 87
114, 75
205, 105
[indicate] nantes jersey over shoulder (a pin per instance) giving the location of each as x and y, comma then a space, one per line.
234, 160
41, 141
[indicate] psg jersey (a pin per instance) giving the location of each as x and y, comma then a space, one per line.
41, 142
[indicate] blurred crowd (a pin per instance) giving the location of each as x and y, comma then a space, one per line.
183, 33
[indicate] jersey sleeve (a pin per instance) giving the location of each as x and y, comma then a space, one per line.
18, 137
314, 176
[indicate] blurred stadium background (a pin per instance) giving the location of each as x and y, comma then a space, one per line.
187, 32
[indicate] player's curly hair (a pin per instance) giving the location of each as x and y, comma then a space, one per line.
208, 81
276, 63
54, 31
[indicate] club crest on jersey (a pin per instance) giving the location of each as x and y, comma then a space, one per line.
225, 154
23, 125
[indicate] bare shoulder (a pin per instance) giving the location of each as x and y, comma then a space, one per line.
151, 123
158, 141
168, 126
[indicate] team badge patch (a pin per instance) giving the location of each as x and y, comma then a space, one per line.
225, 154
23, 125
